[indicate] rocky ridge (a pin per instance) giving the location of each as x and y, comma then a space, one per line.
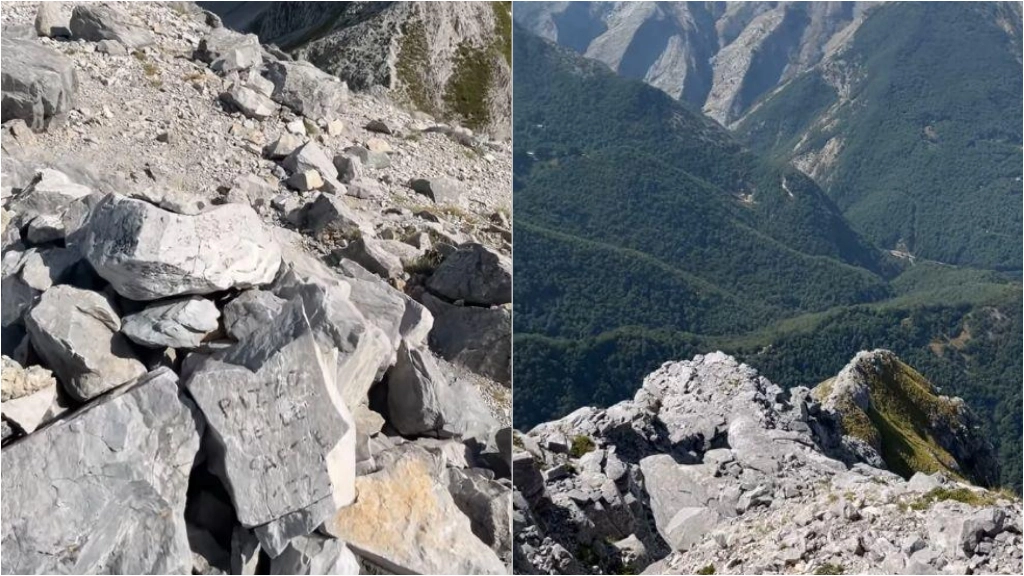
717, 55
711, 468
224, 346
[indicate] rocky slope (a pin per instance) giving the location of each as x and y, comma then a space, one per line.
451, 59
711, 468
717, 55
252, 320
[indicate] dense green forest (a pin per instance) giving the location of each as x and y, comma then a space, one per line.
646, 233
925, 111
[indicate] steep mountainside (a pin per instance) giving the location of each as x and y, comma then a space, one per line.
718, 56
914, 129
645, 232
450, 59
711, 468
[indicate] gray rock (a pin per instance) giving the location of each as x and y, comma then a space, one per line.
957, 531
50, 193
282, 147
252, 190
380, 127
245, 552
424, 400
178, 323
440, 190
365, 189
111, 48
76, 332
45, 228
19, 381
372, 255
349, 167
286, 441
28, 274
250, 311
306, 89
400, 317
39, 84
330, 218
525, 475
486, 503
147, 253
405, 517
249, 102
93, 22
315, 554
921, 482
103, 492
51, 22
305, 181
370, 159
228, 51
30, 411
310, 156
475, 274
478, 338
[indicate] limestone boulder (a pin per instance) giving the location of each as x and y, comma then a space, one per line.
315, 554
249, 311
95, 22
76, 333
475, 274
39, 84
472, 336
103, 491
228, 51
306, 89
176, 323
147, 253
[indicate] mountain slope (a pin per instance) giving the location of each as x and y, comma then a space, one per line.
914, 129
450, 59
645, 232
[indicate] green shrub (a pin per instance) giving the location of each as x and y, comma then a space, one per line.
581, 445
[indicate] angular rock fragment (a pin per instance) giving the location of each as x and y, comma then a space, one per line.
93, 22
76, 332
478, 338
250, 311
19, 381
440, 190
228, 51
26, 275
370, 159
486, 504
328, 217
147, 253
406, 518
315, 554
475, 274
306, 89
39, 84
350, 167
50, 193
83, 496
28, 395
249, 102
364, 189
285, 438
282, 147
372, 255
50, 21
423, 400
380, 126
177, 323
305, 181
310, 156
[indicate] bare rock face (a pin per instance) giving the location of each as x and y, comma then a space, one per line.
407, 520
476, 337
103, 492
148, 253
39, 84
77, 333
94, 23
277, 417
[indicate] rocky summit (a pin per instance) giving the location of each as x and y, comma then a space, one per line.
712, 469
237, 338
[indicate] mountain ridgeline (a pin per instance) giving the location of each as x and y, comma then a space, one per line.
647, 232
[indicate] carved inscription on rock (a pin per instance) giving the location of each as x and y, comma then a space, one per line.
272, 409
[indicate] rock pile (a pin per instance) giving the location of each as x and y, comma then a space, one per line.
713, 469
219, 351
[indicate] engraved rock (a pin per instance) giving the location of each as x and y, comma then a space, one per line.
147, 253
285, 438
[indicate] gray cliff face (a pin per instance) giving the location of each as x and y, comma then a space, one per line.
448, 59
716, 55
713, 469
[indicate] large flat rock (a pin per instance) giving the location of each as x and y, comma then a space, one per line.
103, 491
147, 253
